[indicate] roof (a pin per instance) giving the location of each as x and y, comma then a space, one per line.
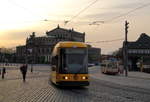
68, 44
143, 42
59, 30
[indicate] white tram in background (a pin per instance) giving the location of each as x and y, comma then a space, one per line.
109, 67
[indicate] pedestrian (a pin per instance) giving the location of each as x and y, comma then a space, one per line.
31, 68
23, 70
3, 72
0, 71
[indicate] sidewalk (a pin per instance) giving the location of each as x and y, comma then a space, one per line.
13, 73
13, 89
141, 75
134, 79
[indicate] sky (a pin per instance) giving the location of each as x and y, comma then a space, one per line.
19, 18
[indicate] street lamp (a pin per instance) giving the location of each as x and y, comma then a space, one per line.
31, 52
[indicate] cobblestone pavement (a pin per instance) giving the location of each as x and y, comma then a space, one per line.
37, 88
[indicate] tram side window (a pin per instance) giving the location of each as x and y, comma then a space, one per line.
54, 62
103, 65
62, 60
110, 65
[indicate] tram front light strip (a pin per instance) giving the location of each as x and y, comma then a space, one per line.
83, 77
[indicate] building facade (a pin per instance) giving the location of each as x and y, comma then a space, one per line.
139, 51
39, 49
94, 55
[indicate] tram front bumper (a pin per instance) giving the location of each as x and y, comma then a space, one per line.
73, 83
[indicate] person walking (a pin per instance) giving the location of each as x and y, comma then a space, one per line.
23, 70
31, 68
3, 72
0, 71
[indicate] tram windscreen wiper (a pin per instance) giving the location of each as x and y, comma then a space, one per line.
79, 70
84, 66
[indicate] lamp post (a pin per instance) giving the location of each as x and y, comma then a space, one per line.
30, 52
126, 49
141, 64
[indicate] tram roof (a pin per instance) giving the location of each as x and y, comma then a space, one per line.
70, 44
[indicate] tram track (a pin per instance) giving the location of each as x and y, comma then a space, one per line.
122, 87
99, 90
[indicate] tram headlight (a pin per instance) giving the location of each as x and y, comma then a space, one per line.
83, 77
66, 77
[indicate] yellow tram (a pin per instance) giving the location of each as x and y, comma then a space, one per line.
69, 64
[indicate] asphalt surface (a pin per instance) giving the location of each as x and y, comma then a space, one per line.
37, 88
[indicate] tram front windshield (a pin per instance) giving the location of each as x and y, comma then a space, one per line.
112, 65
74, 60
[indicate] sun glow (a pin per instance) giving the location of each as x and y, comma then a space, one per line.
23, 13
19, 18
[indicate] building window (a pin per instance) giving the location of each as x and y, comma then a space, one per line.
47, 50
39, 51
148, 51
42, 50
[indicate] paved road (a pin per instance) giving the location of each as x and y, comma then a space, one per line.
134, 79
38, 89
